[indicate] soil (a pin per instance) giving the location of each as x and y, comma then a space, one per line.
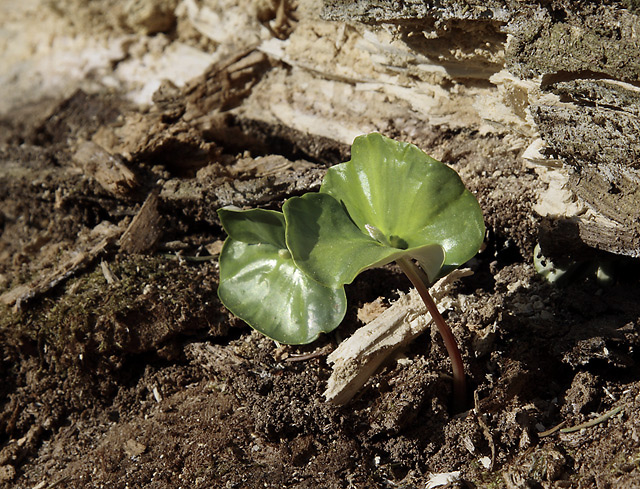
121, 368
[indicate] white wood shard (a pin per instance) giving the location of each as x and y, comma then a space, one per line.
442, 479
357, 358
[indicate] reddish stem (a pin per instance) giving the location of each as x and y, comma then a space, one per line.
419, 280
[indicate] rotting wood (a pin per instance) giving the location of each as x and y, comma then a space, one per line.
205, 104
208, 99
104, 235
279, 17
357, 358
585, 108
145, 229
176, 145
202, 196
577, 238
174, 133
225, 84
108, 169
241, 133
613, 190
109, 276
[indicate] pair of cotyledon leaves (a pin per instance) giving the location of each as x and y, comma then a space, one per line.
284, 272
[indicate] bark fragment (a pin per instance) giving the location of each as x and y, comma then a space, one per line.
145, 228
108, 169
99, 239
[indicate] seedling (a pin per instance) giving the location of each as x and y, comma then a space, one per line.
390, 202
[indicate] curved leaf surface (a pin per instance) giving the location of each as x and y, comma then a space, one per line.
391, 200
261, 284
254, 225
409, 196
331, 249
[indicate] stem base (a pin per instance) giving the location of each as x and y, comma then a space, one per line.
420, 282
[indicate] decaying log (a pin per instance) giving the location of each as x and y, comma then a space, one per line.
577, 238
357, 358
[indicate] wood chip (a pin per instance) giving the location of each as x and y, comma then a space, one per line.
134, 448
226, 83
357, 358
108, 169
109, 276
145, 228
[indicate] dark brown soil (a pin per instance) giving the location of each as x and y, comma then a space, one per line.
128, 372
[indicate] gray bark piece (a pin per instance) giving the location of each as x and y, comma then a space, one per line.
579, 37
378, 11
599, 124
200, 198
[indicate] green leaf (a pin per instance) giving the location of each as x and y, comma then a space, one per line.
331, 249
261, 284
401, 201
254, 225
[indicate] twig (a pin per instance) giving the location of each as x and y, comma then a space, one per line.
486, 430
187, 257
593, 422
551, 431
301, 357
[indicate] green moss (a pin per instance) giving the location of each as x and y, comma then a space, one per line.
90, 322
624, 462
485, 478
